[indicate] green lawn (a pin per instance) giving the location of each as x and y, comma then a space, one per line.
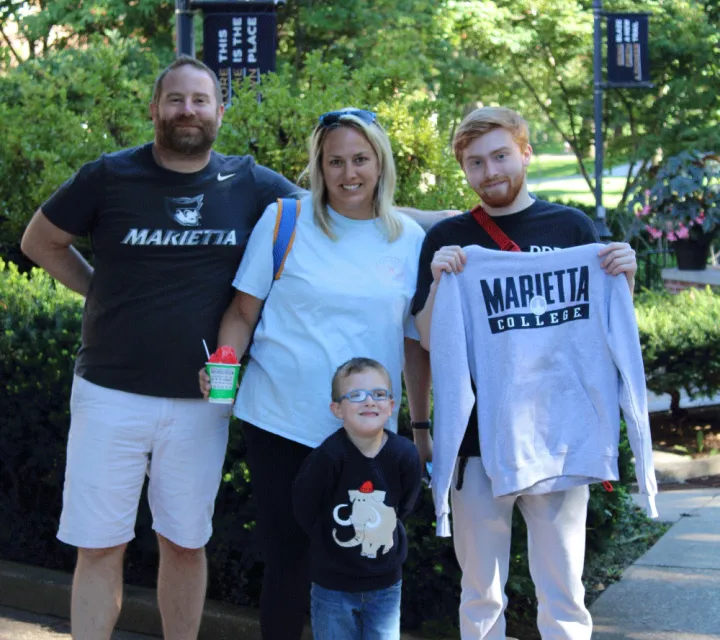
555, 166
547, 171
577, 189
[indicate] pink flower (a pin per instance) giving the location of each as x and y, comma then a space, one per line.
671, 236
682, 233
655, 234
643, 212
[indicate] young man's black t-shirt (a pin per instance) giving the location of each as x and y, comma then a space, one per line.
166, 248
543, 226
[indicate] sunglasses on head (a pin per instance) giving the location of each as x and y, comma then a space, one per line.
333, 117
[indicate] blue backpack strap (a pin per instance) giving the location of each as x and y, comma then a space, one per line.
287, 215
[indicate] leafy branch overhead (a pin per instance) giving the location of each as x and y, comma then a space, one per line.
74, 77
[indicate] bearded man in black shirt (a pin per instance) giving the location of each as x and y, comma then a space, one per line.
168, 222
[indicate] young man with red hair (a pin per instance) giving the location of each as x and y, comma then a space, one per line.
492, 147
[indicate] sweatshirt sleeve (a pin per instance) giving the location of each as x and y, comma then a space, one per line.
452, 391
311, 489
624, 343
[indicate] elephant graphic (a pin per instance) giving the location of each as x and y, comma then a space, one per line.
373, 520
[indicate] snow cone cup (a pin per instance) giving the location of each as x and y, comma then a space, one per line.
223, 381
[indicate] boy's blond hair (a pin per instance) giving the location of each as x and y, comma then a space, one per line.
485, 119
357, 365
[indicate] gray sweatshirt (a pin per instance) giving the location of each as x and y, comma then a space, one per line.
552, 343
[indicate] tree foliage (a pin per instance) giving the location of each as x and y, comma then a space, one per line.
46, 25
428, 175
533, 55
62, 110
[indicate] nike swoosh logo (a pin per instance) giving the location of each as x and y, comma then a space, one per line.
221, 177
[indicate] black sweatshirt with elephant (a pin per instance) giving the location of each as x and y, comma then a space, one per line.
352, 507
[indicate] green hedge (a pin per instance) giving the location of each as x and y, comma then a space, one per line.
39, 334
680, 338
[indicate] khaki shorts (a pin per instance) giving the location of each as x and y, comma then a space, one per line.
116, 438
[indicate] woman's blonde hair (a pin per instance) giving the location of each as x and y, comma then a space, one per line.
384, 190
485, 119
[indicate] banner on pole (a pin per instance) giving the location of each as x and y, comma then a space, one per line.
239, 45
627, 49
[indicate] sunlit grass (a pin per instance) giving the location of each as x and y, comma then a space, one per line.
555, 166
577, 189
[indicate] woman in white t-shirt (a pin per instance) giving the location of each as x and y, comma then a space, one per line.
345, 291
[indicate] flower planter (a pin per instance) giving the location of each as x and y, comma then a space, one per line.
679, 203
692, 254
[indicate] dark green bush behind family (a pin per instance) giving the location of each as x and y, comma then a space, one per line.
39, 335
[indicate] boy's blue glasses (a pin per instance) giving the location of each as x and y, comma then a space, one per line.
333, 117
359, 395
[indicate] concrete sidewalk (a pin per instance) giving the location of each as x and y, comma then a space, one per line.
22, 625
673, 591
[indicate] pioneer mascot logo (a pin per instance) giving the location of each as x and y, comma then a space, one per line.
532, 294
185, 211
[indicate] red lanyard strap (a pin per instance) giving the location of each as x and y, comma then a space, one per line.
496, 233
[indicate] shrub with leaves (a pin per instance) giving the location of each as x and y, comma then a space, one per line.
39, 334
680, 338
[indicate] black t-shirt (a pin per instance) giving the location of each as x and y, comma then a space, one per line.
352, 508
166, 248
543, 226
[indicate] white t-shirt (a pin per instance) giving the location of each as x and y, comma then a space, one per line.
335, 300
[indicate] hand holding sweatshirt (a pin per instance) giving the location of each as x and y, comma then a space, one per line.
552, 344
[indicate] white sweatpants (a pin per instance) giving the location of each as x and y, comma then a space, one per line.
482, 527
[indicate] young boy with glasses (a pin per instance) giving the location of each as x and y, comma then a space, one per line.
350, 496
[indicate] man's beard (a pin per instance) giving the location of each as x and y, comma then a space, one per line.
190, 141
497, 197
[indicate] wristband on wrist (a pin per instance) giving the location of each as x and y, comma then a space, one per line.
422, 424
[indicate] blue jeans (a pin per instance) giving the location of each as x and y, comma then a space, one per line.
365, 615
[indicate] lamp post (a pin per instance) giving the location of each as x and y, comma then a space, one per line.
600, 223
184, 41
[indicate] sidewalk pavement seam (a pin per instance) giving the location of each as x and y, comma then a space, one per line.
658, 596
672, 566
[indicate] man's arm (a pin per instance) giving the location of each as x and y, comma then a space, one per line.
619, 257
410, 485
51, 248
427, 219
423, 319
416, 372
449, 259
